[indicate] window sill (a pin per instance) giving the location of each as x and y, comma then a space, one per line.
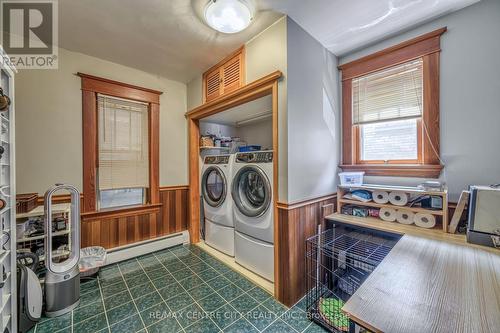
396, 170
122, 212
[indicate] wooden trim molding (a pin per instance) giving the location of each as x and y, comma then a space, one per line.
91, 86
427, 47
412, 49
249, 92
419, 171
123, 212
118, 89
173, 188
154, 153
90, 159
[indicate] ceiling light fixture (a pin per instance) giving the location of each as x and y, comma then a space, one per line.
228, 16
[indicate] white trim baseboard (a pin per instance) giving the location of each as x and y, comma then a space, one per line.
121, 253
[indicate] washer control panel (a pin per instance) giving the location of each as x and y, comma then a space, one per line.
255, 157
217, 159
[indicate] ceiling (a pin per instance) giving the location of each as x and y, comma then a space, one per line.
164, 37
169, 37
346, 25
257, 110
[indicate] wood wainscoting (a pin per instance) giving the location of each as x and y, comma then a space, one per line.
127, 226
296, 223
120, 228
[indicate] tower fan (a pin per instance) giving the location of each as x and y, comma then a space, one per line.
62, 280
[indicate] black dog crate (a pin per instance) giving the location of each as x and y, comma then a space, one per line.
338, 261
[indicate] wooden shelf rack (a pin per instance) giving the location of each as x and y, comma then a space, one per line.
442, 213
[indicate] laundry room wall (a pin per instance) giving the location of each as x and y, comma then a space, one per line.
259, 133
470, 69
49, 122
313, 117
220, 130
265, 53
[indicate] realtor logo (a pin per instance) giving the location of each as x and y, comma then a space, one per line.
29, 33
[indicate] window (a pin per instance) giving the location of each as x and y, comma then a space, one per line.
387, 114
123, 167
120, 146
390, 110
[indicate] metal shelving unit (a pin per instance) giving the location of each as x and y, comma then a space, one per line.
27, 242
8, 291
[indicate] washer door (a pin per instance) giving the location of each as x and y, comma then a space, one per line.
214, 186
251, 191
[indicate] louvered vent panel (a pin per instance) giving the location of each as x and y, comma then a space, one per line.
232, 73
225, 77
213, 85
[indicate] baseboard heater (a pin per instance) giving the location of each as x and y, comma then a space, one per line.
125, 252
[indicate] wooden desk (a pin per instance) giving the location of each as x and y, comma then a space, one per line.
428, 283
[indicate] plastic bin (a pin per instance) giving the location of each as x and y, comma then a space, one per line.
91, 258
249, 148
351, 178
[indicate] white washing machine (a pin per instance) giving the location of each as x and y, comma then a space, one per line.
216, 176
252, 192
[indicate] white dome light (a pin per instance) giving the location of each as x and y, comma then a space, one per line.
228, 16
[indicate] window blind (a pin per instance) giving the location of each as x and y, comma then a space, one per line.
389, 94
123, 143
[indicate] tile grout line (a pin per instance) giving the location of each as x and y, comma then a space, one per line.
103, 305
246, 292
132, 297
230, 283
177, 281
209, 266
156, 289
198, 304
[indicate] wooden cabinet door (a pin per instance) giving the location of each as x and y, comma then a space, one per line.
232, 75
213, 85
225, 77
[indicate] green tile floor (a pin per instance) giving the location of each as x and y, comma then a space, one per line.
181, 289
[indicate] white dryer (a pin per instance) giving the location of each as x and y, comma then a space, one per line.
216, 176
252, 192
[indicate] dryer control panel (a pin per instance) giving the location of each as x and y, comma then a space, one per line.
255, 157
217, 159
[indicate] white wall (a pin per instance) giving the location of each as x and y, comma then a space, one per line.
49, 122
469, 95
313, 116
258, 133
219, 130
266, 53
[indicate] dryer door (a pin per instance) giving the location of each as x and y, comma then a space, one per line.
214, 186
251, 191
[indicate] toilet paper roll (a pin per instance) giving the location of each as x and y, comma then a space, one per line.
380, 197
425, 220
398, 198
404, 216
387, 214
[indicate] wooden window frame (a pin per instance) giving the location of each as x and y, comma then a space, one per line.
91, 86
427, 47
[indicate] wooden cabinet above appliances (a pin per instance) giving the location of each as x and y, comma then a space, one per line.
225, 77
